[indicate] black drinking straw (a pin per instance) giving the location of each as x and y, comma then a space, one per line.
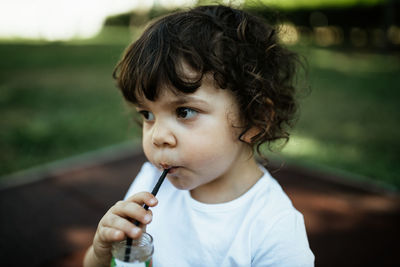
154, 192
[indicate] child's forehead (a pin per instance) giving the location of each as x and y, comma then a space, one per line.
163, 92
167, 89
208, 93
167, 93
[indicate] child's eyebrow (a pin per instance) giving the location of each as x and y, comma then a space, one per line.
139, 104
178, 101
185, 99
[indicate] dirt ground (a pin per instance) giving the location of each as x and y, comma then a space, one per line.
51, 221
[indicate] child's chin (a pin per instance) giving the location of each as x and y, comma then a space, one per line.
175, 181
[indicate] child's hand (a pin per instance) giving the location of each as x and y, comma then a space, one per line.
118, 223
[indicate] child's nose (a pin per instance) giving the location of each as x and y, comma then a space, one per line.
163, 136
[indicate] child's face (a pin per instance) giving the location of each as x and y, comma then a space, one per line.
193, 134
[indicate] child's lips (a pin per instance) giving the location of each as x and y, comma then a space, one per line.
172, 169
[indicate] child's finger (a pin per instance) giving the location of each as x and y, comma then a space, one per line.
121, 224
133, 211
108, 234
144, 198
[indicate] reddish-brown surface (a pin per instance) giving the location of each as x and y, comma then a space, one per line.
52, 221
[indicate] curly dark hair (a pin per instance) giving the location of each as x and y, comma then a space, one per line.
239, 49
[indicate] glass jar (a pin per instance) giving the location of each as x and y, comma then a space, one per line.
140, 254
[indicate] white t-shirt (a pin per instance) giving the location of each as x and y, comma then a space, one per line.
260, 228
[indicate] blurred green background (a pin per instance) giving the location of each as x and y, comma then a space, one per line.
58, 99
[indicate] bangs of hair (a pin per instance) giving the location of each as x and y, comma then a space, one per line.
161, 57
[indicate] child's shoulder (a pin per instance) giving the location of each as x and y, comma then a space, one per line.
278, 227
271, 193
271, 206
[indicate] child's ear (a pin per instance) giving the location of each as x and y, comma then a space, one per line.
250, 134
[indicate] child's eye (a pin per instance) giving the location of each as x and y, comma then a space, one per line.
186, 113
147, 115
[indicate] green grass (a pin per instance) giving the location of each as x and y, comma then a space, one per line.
59, 100
350, 119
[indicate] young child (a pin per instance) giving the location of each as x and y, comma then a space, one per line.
212, 84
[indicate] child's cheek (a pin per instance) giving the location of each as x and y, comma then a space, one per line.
204, 153
146, 144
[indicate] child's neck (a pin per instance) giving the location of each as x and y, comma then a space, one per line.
237, 182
